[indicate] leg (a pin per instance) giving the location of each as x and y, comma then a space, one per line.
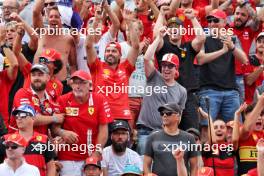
142, 138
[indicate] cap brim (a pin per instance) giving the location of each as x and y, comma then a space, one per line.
80, 77
161, 108
120, 128
92, 165
38, 69
130, 173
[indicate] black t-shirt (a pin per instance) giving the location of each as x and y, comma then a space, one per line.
159, 147
189, 73
29, 55
220, 73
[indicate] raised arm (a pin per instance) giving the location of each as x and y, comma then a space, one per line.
235, 134
149, 55
37, 16
175, 4
199, 39
134, 50
181, 168
115, 26
13, 67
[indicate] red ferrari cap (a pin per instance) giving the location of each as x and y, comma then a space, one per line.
82, 75
172, 58
51, 54
17, 139
217, 13
115, 45
93, 161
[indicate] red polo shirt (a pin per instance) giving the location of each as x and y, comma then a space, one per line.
29, 96
113, 85
6, 85
83, 119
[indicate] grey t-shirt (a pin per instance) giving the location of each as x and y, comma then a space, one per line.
158, 93
159, 147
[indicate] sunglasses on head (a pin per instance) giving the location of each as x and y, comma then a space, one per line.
50, 4
215, 20
43, 60
12, 146
168, 113
170, 66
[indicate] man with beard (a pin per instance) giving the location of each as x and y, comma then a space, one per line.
254, 70
54, 37
37, 96
87, 115
8, 7
118, 155
244, 28
159, 156
251, 132
110, 78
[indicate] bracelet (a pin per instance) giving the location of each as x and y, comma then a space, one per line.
54, 119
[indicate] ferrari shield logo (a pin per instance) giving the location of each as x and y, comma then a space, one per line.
39, 138
91, 110
54, 85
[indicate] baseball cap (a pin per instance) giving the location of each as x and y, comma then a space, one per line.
174, 20
194, 131
51, 54
92, 161
115, 45
217, 13
41, 67
131, 169
205, 171
260, 35
26, 109
171, 107
82, 75
172, 58
120, 124
17, 139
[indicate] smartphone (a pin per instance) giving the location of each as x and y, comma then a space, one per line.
130, 5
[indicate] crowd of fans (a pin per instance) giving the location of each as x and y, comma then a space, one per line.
132, 87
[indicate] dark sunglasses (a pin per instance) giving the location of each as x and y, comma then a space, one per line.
50, 4
12, 146
170, 66
43, 60
215, 20
168, 113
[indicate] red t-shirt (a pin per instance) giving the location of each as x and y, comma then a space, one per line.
254, 64
246, 36
187, 24
54, 87
83, 119
5, 85
107, 81
28, 96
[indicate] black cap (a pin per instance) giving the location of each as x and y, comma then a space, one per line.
120, 124
194, 131
170, 107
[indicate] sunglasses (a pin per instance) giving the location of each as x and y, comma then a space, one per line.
50, 4
215, 20
22, 115
168, 113
12, 146
43, 60
170, 66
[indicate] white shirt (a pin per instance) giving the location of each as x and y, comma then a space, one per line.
24, 170
115, 164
